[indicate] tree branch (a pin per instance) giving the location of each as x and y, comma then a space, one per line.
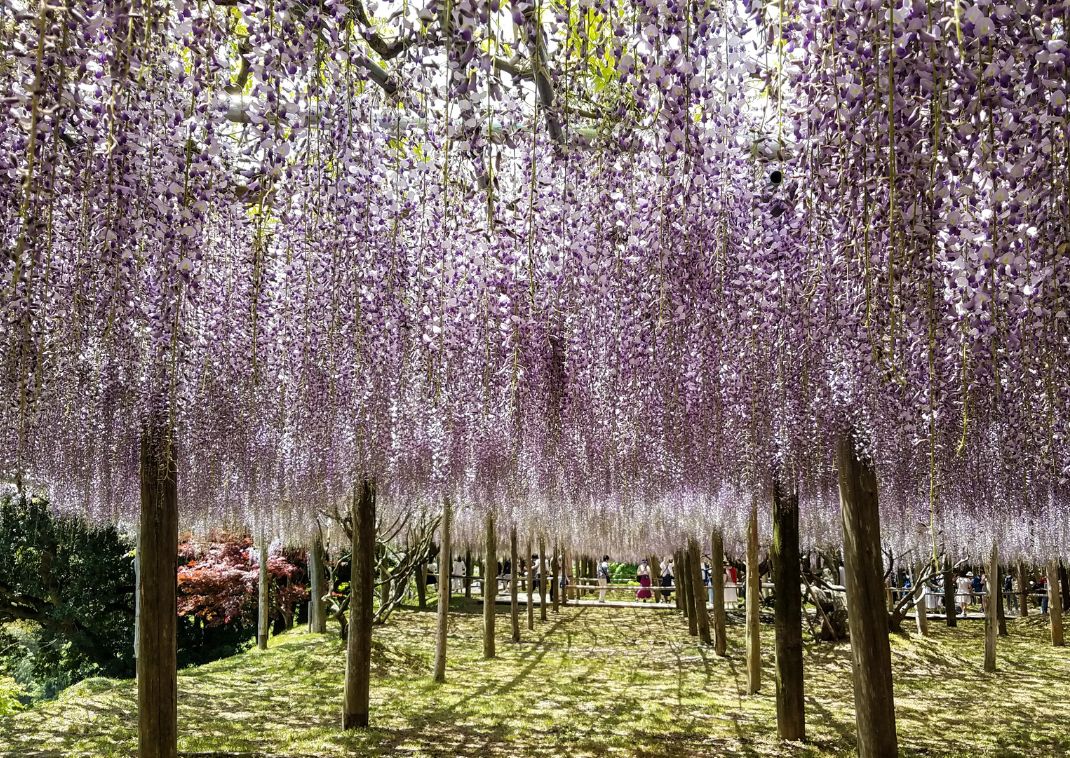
543, 84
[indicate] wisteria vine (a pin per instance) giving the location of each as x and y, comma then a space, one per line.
604, 268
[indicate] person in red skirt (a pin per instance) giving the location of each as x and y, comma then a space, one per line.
642, 573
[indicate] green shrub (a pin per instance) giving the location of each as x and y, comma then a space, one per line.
9, 695
622, 573
70, 586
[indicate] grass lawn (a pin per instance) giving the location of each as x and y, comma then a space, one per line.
588, 682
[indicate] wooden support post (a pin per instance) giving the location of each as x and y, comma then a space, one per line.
358, 674
1001, 611
262, 602
950, 608
317, 615
686, 586
921, 612
531, 586
1064, 579
720, 643
1055, 608
555, 569
1023, 592
157, 551
542, 578
467, 581
445, 572
514, 569
421, 585
678, 582
490, 587
566, 569
384, 580
863, 564
754, 605
698, 591
991, 615
787, 611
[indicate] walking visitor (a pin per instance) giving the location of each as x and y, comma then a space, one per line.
666, 578
603, 578
642, 574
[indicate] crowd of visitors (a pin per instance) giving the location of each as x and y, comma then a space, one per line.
973, 590
656, 582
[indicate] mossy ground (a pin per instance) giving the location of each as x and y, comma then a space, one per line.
588, 682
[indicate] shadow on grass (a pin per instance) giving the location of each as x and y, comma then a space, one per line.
591, 681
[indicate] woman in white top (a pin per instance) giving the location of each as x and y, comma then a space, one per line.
934, 595
603, 578
642, 575
731, 586
667, 578
457, 580
964, 591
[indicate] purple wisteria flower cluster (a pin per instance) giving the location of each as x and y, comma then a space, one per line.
606, 268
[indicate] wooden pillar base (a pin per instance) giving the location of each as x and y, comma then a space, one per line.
514, 568
157, 551
317, 614
1055, 608
754, 604
863, 565
445, 578
991, 610
698, 590
490, 587
356, 697
790, 709
720, 643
